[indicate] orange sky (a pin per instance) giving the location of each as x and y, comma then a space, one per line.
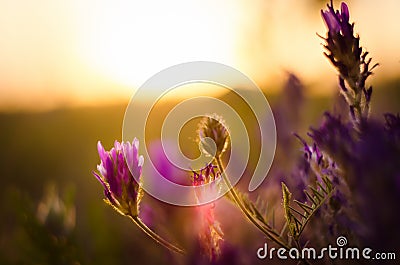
80, 52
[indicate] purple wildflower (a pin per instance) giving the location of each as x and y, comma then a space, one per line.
288, 116
335, 138
164, 166
319, 163
376, 173
118, 171
346, 54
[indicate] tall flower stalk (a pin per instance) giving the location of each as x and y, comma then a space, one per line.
118, 171
345, 53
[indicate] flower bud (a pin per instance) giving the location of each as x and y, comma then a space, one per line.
213, 135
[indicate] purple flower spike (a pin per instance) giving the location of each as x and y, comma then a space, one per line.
344, 51
118, 171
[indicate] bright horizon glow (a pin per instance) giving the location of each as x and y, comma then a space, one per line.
130, 42
86, 52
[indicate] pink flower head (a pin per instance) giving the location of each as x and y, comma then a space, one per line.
118, 171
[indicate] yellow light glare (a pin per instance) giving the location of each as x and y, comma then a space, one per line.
129, 41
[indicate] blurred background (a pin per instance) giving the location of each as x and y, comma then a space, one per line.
69, 68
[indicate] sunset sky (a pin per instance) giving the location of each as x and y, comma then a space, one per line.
85, 52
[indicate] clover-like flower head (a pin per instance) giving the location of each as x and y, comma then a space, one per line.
118, 172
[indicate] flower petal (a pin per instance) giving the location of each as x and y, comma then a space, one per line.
344, 12
107, 191
102, 153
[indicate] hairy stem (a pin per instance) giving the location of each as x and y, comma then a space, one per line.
241, 206
154, 236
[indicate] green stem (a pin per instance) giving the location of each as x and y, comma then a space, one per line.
249, 216
154, 236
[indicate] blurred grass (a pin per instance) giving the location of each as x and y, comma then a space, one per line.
60, 147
